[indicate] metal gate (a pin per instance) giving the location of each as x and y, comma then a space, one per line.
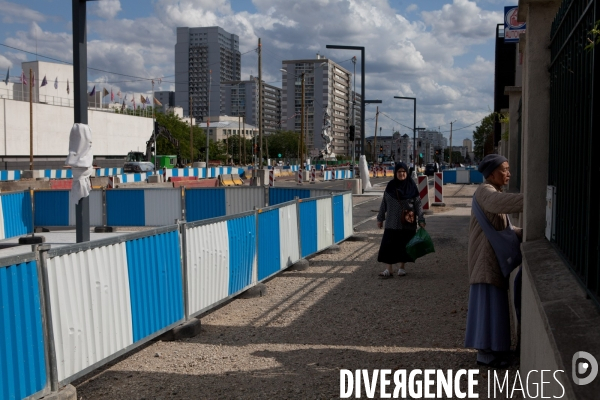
575, 138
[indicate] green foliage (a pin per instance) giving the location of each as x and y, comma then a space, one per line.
285, 143
456, 156
483, 135
595, 33
181, 131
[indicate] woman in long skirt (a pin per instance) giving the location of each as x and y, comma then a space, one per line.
401, 210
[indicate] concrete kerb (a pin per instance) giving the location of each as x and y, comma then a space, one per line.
67, 393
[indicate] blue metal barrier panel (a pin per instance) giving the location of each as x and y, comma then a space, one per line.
16, 208
269, 257
22, 360
449, 176
51, 208
125, 208
204, 203
282, 195
155, 285
308, 227
242, 247
476, 176
338, 218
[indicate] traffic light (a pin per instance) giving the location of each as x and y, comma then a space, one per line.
352, 132
381, 149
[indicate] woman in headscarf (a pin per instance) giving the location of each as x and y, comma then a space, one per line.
401, 210
488, 319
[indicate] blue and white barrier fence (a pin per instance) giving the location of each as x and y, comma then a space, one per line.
108, 171
10, 175
462, 176
61, 327
15, 214
202, 173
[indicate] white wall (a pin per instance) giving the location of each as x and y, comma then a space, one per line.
112, 134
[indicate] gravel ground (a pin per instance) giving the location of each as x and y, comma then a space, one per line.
293, 342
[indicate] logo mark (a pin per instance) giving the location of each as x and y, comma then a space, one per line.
511, 19
584, 363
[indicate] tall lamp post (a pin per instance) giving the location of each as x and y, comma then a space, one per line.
414, 99
362, 88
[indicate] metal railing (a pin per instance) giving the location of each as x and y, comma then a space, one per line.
574, 138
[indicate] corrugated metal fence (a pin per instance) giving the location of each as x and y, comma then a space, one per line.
86, 304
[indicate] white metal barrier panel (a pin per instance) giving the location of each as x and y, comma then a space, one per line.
324, 223
288, 233
348, 226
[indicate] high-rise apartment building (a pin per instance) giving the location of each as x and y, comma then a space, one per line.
468, 144
327, 86
241, 98
204, 58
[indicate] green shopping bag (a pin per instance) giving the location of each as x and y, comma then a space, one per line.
420, 245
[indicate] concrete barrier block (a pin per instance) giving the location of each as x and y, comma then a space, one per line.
67, 393
184, 331
155, 179
258, 290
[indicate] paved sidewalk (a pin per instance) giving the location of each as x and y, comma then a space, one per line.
337, 314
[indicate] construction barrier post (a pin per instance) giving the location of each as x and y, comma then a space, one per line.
271, 178
313, 175
299, 176
424, 192
439, 189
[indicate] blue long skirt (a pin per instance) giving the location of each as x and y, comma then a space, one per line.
488, 319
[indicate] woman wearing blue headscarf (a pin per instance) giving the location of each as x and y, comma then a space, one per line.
401, 210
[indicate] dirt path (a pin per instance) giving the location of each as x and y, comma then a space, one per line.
293, 342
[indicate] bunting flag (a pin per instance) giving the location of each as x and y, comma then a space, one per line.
68, 91
44, 82
93, 92
158, 103
112, 96
6, 80
56, 83
22, 79
104, 92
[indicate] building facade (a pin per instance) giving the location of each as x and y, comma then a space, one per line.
326, 88
204, 58
396, 147
241, 98
224, 127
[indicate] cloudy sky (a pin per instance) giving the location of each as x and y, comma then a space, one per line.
440, 51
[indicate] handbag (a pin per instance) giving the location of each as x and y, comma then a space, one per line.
420, 245
506, 243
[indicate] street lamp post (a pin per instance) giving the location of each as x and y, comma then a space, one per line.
414, 99
362, 88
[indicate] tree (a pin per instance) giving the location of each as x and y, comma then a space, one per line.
483, 135
285, 143
180, 129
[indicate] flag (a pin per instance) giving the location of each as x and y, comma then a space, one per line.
6, 80
159, 81
119, 93
23, 80
112, 96
104, 92
147, 100
125, 97
133, 101
142, 99
93, 92
158, 103
56, 83
68, 91
44, 82
123, 106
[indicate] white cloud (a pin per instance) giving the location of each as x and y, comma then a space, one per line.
413, 56
17, 13
107, 9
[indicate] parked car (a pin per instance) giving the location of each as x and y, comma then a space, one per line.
430, 168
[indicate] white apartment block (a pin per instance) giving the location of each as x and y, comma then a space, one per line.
327, 86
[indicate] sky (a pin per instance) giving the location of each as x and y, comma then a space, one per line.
441, 52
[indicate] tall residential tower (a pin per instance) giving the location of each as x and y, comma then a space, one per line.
204, 57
